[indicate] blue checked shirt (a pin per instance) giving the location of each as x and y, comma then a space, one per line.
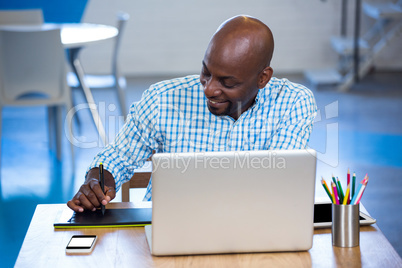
172, 116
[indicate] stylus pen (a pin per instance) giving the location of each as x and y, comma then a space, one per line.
102, 185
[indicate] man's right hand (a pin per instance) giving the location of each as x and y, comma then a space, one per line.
90, 195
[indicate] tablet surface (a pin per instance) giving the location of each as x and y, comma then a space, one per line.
112, 218
323, 216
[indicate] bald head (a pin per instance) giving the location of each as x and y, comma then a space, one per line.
236, 65
246, 39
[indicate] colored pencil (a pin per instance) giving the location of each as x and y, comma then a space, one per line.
333, 195
348, 178
324, 184
333, 179
361, 191
336, 185
355, 195
353, 184
346, 200
340, 191
333, 185
359, 188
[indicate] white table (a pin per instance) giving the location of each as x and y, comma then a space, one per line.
74, 37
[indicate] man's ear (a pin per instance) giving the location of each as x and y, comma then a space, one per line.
265, 76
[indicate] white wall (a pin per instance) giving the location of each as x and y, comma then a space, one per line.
166, 37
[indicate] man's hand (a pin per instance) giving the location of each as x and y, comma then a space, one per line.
90, 195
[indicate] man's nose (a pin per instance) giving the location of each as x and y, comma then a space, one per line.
212, 89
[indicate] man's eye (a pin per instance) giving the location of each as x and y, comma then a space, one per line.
206, 74
228, 85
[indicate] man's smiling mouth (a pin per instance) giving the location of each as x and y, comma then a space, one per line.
215, 102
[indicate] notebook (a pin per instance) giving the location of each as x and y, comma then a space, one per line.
232, 202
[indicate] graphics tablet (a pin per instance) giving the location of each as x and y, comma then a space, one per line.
323, 216
126, 217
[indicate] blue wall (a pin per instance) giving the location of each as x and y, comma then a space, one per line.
57, 11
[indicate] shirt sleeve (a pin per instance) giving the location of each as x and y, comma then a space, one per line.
295, 127
134, 143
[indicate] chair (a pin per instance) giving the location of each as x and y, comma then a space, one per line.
138, 180
23, 16
33, 73
114, 80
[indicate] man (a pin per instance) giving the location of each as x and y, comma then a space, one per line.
233, 105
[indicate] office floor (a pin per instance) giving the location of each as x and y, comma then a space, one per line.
360, 130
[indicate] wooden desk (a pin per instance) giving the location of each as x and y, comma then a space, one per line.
127, 247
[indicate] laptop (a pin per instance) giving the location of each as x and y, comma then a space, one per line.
232, 202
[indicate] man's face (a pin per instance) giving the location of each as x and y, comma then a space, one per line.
230, 78
230, 83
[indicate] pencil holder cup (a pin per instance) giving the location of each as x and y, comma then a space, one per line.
345, 225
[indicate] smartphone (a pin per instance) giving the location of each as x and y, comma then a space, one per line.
81, 244
323, 216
